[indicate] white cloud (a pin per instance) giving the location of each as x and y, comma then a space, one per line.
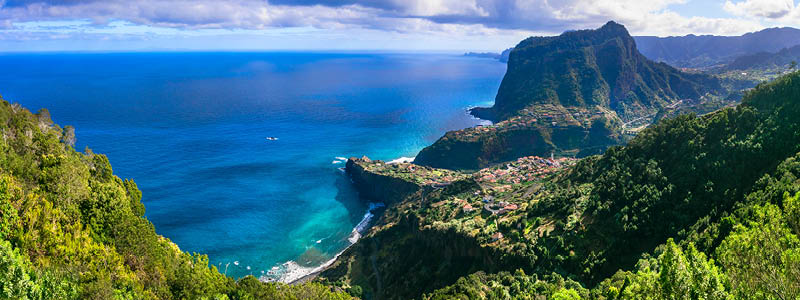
444, 19
772, 9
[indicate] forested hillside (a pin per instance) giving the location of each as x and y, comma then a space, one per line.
693, 207
70, 229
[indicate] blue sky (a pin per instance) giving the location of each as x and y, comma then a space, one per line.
383, 25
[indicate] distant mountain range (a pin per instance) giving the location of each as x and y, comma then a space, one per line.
568, 94
765, 60
703, 51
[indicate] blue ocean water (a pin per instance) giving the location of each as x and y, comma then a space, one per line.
191, 128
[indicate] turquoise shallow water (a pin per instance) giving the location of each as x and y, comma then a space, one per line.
191, 128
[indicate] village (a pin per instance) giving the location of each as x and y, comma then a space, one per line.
495, 199
421, 175
498, 180
524, 169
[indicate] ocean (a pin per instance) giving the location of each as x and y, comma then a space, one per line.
191, 129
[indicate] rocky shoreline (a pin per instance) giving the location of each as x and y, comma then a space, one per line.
373, 186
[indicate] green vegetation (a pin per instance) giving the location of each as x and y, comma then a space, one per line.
70, 229
574, 95
504, 285
758, 260
693, 207
592, 67
697, 207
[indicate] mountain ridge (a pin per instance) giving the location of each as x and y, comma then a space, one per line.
573, 94
674, 207
702, 51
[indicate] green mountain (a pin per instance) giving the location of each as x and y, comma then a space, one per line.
573, 94
589, 68
703, 51
691, 208
765, 60
70, 229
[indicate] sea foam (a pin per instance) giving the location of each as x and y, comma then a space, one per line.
291, 271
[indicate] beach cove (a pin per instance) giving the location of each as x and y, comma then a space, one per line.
193, 129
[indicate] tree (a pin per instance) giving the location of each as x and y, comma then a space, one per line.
15, 281
762, 256
675, 274
792, 208
68, 136
566, 294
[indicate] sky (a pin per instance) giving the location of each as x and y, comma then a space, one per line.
347, 25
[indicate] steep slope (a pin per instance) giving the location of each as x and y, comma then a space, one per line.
573, 94
710, 183
693, 51
71, 229
765, 60
589, 68
505, 54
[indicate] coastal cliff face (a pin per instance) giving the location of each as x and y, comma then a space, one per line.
592, 67
681, 191
403, 255
377, 187
573, 94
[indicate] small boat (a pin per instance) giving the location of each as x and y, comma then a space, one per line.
272, 138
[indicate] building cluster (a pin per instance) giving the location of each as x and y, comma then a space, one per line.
499, 208
524, 169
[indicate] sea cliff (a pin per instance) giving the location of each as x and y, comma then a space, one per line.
378, 187
575, 94
404, 254
596, 224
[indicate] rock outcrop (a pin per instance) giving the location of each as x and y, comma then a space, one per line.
377, 187
573, 94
